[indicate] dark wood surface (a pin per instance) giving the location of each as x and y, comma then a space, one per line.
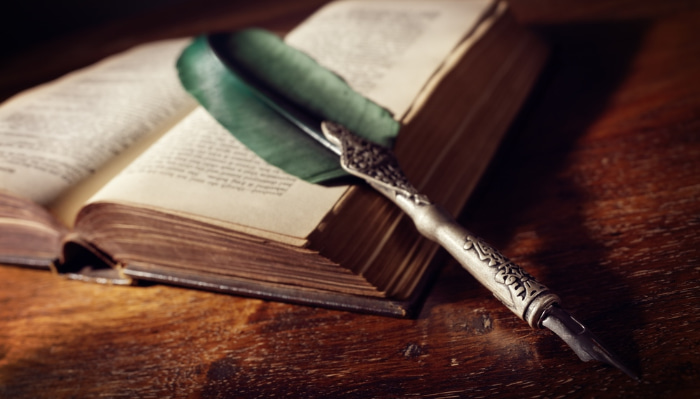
596, 191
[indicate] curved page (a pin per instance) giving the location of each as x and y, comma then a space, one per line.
198, 168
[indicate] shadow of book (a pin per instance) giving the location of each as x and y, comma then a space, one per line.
531, 201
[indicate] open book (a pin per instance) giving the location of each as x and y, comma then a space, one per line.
114, 174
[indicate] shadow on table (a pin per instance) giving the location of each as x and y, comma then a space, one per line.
528, 184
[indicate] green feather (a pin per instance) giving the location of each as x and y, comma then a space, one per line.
257, 63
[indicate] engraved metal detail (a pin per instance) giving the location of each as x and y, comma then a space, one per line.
520, 283
370, 161
517, 289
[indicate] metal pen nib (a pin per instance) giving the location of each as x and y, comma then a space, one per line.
580, 339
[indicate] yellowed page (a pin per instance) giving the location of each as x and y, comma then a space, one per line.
387, 50
62, 134
199, 168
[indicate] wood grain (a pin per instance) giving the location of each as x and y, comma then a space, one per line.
596, 192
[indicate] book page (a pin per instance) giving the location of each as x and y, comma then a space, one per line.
199, 168
387, 50
56, 135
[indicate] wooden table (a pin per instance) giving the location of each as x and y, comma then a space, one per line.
596, 191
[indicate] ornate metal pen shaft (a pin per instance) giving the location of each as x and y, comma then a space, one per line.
514, 287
